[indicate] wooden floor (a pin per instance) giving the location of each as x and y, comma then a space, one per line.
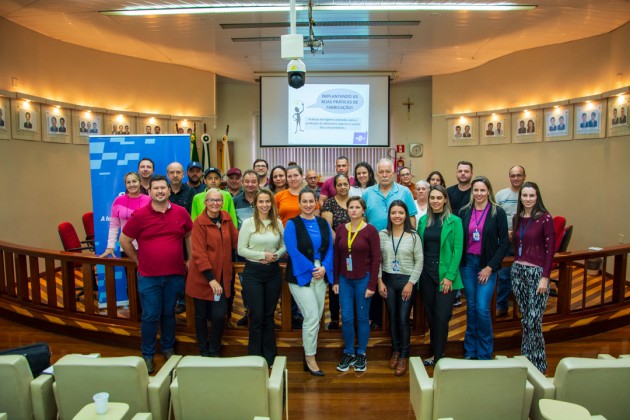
375, 394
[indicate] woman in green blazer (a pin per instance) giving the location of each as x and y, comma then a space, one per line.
443, 242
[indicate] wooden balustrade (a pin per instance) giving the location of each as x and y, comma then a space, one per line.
28, 278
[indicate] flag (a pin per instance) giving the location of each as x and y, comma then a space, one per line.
205, 151
225, 159
194, 153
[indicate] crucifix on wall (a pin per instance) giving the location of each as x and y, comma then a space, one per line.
408, 104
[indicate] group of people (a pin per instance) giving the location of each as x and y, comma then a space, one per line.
355, 237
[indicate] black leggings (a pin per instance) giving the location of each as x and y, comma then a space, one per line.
399, 311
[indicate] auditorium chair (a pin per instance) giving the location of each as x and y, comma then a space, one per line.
71, 243
78, 378
88, 226
229, 388
600, 385
21, 396
563, 235
470, 389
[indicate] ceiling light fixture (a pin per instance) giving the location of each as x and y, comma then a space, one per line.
191, 10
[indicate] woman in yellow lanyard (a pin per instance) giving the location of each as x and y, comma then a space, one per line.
357, 259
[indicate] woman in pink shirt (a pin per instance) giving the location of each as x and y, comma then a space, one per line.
123, 207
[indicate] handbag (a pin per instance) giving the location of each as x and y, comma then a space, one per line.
37, 355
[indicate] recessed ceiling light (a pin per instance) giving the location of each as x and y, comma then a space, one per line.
189, 10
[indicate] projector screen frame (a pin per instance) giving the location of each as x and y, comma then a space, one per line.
349, 79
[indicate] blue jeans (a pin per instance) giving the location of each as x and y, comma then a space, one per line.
505, 285
351, 293
158, 296
478, 341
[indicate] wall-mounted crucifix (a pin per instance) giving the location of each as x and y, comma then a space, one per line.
408, 104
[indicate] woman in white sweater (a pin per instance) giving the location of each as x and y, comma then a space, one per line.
260, 243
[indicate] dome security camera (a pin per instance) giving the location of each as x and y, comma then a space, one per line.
296, 72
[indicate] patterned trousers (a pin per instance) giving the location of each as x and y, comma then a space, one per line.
525, 280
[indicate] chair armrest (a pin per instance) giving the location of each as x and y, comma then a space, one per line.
605, 357
176, 406
159, 389
527, 403
3, 416
543, 387
142, 416
276, 388
624, 356
420, 389
43, 398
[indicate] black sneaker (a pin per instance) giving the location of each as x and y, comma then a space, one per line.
458, 302
333, 325
360, 364
347, 361
149, 362
243, 321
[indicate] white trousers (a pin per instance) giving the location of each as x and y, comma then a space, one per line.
310, 300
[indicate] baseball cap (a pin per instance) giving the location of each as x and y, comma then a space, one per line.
193, 164
234, 171
212, 169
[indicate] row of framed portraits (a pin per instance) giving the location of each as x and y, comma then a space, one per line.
31, 121
590, 120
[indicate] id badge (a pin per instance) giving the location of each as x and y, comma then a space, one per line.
396, 265
476, 235
349, 264
520, 250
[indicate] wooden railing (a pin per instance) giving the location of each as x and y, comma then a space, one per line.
28, 278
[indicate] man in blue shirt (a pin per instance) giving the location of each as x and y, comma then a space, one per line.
379, 197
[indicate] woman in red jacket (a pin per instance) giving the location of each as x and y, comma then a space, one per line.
214, 236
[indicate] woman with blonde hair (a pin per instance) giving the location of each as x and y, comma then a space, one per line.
485, 245
260, 243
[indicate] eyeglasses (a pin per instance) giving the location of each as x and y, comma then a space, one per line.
260, 166
312, 177
214, 200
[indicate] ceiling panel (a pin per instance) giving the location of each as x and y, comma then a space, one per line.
444, 42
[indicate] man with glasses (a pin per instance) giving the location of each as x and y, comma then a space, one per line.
507, 198
406, 180
311, 179
261, 167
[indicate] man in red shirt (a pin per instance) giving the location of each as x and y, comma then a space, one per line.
159, 229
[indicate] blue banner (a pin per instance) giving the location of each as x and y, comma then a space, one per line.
111, 157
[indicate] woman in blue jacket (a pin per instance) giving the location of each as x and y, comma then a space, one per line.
442, 241
486, 243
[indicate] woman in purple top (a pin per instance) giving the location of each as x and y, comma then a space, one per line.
123, 207
533, 241
485, 243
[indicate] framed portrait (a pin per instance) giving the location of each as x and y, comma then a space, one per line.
558, 124
618, 108
5, 119
495, 129
86, 124
56, 124
526, 127
462, 131
25, 120
589, 120
183, 126
152, 125
120, 125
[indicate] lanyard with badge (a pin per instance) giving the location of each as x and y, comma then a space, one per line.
351, 237
476, 235
522, 233
396, 263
